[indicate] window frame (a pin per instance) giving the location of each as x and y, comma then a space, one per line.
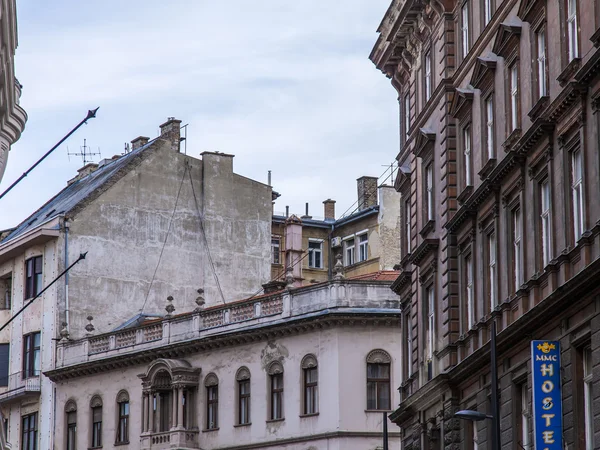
492, 269
467, 153
310, 386
487, 12
406, 111
490, 137
6, 300
588, 409
407, 228
430, 320
276, 396
470, 291
123, 422
312, 252
546, 220
363, 246
429, 192
516, 230
428, 74
96, 425
31, 355
577, 194
243, 413
27, 432
541, 62
465, 32
349, 250
212, 406
572, 29
514, 118
380, 359
275, 255
34, 280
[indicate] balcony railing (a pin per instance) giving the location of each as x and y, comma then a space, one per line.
18, 386
170, 439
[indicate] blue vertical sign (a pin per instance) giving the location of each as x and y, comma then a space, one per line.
547, 398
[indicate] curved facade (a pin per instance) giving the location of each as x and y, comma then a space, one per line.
12, 116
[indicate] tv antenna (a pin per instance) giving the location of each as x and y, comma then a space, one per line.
85, 152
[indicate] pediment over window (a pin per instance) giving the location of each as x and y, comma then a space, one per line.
483, 74
507, 37
461, 103
530, 10
424, 142
403, 178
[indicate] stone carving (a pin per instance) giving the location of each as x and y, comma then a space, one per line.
96, 401
211, 380
200, 300
64, 332
70, 406
90, 326
275, 368
122, 396
169, 308
309, 361
338, 268
243, 373
379, 357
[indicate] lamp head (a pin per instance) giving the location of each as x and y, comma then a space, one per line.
475, 416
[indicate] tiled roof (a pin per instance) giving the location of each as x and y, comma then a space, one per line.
382, 275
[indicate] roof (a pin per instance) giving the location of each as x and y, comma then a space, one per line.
74, 193
327, 223
382, 275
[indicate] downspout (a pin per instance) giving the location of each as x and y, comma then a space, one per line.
66, 225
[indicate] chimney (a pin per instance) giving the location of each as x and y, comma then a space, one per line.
306, 215
171, 130
367, 192
329, 209
138, 142
83, 172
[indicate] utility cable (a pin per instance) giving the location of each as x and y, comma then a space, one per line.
165, 241
81, 256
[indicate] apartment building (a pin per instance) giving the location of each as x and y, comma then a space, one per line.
500, 185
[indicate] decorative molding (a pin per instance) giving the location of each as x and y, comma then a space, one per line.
484, 71
122, 396
425, 248
96, 401
567, 74
243, 373
507, 37
403, 279
462, 102
424, 143
309, 362
211, 380
539, 107
275, 368
379, 357
70, 406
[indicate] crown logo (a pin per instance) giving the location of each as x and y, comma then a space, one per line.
545, 347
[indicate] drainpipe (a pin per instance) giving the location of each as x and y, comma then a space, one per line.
66, 224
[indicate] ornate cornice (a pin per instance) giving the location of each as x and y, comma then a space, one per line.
572, 93
427, 246
399, 283
485, 67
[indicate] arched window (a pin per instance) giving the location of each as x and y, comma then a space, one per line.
242, 378
96, 406
123, 417
378, 381
275, 372
211, 382
310, 376
71, 416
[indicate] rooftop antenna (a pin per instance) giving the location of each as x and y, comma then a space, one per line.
85, 152
127, 148
184, 138
391, 166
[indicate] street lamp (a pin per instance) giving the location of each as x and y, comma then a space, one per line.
477, 416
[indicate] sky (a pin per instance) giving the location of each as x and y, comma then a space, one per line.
284, 86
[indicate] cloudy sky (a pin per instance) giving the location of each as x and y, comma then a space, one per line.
285, 86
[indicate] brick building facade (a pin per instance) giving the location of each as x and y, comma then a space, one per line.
500, 210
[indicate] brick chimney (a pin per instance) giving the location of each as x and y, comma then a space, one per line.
367, 192
329, 208
171, 130
139, 141
84, 172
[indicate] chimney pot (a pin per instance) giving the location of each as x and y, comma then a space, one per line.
139, 141
329, 208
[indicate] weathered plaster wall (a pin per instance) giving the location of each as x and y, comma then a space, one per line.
389, 228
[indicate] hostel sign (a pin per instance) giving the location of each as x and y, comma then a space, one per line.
547, 398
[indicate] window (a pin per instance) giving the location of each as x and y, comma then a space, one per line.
514, 97
491, 281
123, 418
572, 29
349, 251
430, 336
315, 254
96, 405
545, 222
406, 117
276, 249
409, 346
276, 390
587, 399
310, 380
464, 29
407, 235
243, 380
542, 68
487, 11
212, 401
31, 355
4, 359
6, 292
577, 190
466, 141
523, 414
428, 75
469, 292
489, 127
29, 432
429, 191
33, 280
363, 247
378, 381
71, 412
516, 231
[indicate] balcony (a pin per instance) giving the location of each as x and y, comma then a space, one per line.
19, 387
187, 439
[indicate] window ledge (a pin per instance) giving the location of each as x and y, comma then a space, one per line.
465, 194
241, 425
569, 71
378, 410
275, 420
309, 415
428, 228
94, 448
208, 430
539, 107
512, 139
117, 444
487, 168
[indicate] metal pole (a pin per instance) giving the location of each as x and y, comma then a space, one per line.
496, 444
385, 431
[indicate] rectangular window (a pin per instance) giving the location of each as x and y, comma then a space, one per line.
31, 355
277, 396
4, 359
487, 11
492, 270
429, 190
572, 30
378, 386
6, 292
409, 344
363, 247
514, 97
349, 251
29, 432
123, 425
97, 426
428, 75
212, 407
466, 141
545, 222
276, 249
315, 254
489, 127
577, 190
430, 323
588, 399
469, 292
72, 430
464, 29
33, 276
541, 62
310, 391
522, 409
517, 248
407, 235
244, 402
406, 117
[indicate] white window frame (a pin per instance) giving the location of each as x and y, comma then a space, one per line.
428, 75
487, 11
470, 293
363, 246
429, 190
489, 126
349, 250
572, 31
430, 322
514, 97
525, 414
541, 62
517, 246
492, 269
406, 116
466, 141
587, 399
545, 217
407, 231
312, 253
273, 247
464, 29
577, 192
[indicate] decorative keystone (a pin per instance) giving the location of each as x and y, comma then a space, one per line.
169, 308
90, 326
